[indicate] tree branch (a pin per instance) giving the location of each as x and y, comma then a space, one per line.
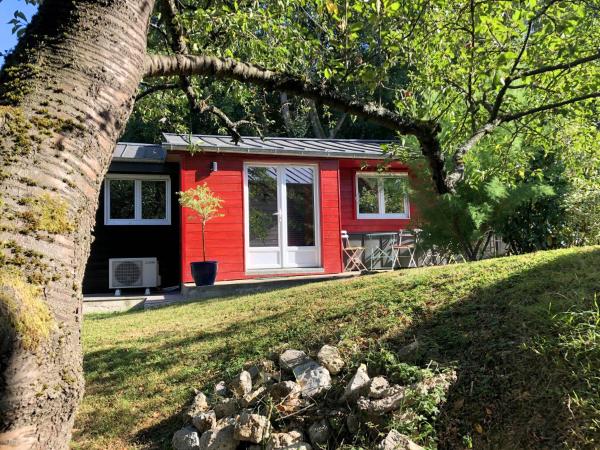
179, 45
519, 115
509, 79
164, 65
156, 88
457, 174
567, 65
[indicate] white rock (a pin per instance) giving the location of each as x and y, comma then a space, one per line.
251, 427
205, 421
298, 446
198, 405
221, 389
290, 359
225, 407
312, 378
186, 439
358, 385
378, 387
394, 399
253, 397
242, 384
221, 437
290, 440
283, 389
319, 433
330, 358
397, 441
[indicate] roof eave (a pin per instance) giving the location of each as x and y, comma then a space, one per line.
253, 151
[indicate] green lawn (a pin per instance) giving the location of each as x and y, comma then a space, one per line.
522, 333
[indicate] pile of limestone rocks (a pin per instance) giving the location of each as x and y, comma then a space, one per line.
297, 404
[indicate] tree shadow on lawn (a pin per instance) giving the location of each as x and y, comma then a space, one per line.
514, 386
512, 380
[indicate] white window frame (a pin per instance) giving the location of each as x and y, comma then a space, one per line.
380, 196
137, 220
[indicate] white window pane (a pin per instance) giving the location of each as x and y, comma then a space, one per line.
394, 193
122, 199
368, 202
154, 199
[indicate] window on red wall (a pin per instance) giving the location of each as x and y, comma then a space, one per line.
382, 196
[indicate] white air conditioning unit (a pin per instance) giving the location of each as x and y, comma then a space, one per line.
132, 273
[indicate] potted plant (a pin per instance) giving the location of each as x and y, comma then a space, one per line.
206, 205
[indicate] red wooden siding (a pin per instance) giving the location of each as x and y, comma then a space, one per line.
225, 235
350, 223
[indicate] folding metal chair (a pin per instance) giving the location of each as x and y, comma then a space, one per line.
354, 255
406, 243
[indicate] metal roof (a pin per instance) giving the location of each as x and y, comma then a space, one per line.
128, 151
324, 148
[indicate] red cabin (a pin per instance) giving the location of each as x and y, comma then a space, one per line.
286, 202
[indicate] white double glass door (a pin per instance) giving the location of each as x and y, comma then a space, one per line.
281, 216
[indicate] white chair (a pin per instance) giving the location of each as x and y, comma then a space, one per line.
407, 241
354, 255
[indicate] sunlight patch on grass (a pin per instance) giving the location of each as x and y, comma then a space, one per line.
498, 322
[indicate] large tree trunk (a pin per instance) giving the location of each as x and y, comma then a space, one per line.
65, 96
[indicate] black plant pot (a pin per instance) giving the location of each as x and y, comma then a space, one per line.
204, 273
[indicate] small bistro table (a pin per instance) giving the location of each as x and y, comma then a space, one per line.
384, 251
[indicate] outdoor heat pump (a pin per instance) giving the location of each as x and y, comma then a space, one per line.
132, 273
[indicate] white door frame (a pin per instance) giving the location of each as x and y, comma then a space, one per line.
284, 249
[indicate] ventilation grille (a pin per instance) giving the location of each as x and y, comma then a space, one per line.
128, 273
133, 272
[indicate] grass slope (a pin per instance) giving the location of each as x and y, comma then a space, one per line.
522, 333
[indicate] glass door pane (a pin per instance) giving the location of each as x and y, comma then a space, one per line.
300, 214
263, 207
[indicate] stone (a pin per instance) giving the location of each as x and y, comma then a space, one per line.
262, 372
198, 405
284, 389
298, 446
393, 400
443, 380
319, 433
253, 397
358, 385
221, 437
397, 441
291, 359
186, 439
378, 387
226, 407
221, 389
312, 378
242, 384
352, 423
290, 440
409, 350
251, 427
330, 358
205, 421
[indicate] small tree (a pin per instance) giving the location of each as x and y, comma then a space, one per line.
204, 203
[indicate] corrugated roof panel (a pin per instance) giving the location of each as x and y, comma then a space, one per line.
327, 148
133, 152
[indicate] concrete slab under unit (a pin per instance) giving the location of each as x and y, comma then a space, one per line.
255, 285
111, 303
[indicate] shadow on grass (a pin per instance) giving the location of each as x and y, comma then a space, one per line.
514, 386
513, 383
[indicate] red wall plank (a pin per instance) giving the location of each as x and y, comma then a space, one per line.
349, 219
225, 235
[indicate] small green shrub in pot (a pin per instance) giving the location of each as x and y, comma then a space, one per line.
207, 206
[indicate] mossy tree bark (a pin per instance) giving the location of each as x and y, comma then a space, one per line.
65, 95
